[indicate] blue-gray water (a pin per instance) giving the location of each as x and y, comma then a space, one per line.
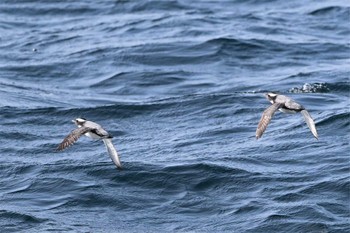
180, 85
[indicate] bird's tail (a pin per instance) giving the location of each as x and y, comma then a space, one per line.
112, 152
310, 122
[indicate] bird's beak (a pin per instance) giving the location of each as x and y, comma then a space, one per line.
73, 121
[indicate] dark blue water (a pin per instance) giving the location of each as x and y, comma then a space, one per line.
180, 85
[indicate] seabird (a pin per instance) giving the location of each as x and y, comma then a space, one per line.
94, 131
286, 105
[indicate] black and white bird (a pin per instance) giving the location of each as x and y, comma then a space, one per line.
94, 131
286, 105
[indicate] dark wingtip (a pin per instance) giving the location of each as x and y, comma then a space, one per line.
61, 147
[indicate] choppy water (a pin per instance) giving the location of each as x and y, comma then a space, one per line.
180, 86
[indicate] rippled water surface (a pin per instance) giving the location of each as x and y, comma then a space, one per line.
180, 85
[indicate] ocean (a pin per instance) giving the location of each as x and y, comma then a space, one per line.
180, 85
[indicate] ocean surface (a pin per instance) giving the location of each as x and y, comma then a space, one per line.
180, 85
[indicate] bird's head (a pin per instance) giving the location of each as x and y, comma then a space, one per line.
271, 97
79, 121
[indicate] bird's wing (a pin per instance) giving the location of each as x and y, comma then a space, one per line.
266, 118
310, 122
112, 152
72, 137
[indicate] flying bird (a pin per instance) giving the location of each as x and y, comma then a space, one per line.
94, 131
286, 105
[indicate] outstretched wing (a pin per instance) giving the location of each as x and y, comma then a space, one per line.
72, 137
266, 118
112, 152
310, 122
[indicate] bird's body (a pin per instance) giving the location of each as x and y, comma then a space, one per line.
287, 105
94, 131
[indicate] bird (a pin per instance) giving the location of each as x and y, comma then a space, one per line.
94, 131
287, 105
